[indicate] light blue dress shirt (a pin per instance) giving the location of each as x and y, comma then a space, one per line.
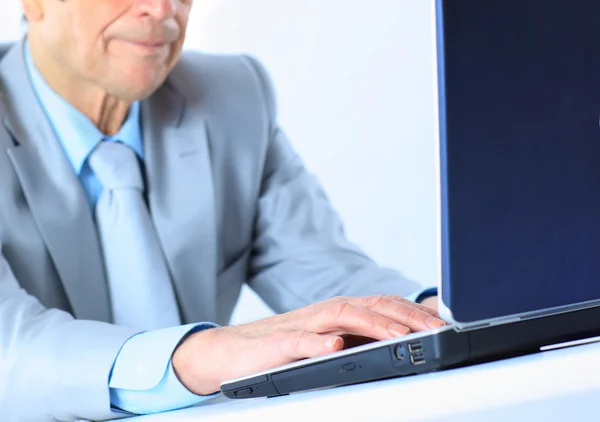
142, 380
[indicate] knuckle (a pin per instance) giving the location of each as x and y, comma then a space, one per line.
374, 301
413, 313
405, 301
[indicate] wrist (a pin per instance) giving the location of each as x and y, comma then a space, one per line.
197, 378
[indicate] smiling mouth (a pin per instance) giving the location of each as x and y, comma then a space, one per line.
149, 47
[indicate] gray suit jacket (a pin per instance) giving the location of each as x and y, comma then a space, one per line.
231, 202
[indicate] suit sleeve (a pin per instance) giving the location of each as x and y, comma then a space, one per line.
301, 254
52, 367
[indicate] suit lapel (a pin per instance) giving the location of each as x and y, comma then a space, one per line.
181, 199
54, 194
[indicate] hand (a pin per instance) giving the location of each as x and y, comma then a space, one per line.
208, 357
431, 303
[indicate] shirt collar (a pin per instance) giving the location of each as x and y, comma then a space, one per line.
77, 134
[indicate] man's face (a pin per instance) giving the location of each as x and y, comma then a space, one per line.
124, 47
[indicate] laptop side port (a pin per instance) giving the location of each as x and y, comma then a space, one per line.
417, 359
415, 347
400, 352
416, 352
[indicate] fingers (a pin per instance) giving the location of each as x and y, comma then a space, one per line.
402, 311
421, 306
305, 344
344, 317
401, 299
429, 310
378, 317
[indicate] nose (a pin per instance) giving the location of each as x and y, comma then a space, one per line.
158, 9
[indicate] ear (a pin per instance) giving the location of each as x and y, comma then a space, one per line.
33, 9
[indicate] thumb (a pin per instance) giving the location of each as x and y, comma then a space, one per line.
306, 344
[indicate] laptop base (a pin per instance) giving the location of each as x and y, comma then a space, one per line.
420, 354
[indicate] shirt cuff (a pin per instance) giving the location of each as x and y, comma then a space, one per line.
143, 380
421, 295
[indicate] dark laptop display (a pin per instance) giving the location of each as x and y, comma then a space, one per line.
520, 92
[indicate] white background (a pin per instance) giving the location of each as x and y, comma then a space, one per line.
355, 85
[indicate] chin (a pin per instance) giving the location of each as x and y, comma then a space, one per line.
138, 89
133, 77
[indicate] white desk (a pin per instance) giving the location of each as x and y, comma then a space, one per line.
559, 385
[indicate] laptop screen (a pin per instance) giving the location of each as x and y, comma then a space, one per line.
520, 154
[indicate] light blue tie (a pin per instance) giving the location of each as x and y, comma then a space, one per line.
142, 294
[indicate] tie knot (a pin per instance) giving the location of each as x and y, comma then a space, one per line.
116, 166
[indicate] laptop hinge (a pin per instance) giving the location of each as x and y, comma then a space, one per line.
525, 316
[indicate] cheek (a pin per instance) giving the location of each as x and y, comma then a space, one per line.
74, 54
76, 47
89, 59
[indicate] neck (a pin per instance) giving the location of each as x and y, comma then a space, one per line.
107, 112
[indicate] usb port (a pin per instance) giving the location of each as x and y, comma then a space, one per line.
417, 359
415, 347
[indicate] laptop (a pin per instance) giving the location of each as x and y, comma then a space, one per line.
519, 150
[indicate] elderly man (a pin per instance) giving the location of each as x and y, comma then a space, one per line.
140, 189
